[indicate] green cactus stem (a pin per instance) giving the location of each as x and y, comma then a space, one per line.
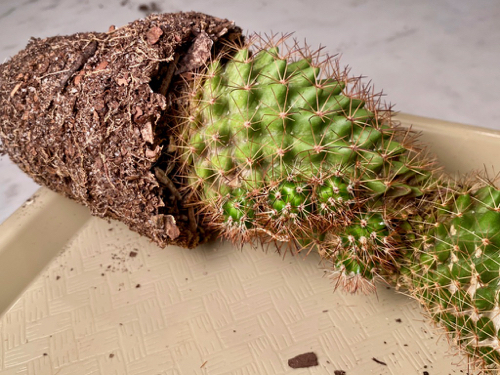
282, 146
454, 271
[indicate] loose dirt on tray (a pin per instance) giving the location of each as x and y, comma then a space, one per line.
303, 360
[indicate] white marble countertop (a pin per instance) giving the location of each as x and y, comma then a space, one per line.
434, 58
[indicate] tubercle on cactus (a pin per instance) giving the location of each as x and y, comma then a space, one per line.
281, 146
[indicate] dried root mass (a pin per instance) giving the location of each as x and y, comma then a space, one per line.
87, 116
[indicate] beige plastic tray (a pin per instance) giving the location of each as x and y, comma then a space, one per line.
84, 296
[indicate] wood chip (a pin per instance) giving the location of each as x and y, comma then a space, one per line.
14, 90
79, 77
171, 228
153, 35
198, 53
122, 82
138, 112
147, 132
101, 66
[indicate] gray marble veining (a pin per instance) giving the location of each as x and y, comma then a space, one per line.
435, 58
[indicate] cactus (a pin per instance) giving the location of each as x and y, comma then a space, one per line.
454, 270
281, 145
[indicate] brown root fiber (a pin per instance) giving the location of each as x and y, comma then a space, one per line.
87, 116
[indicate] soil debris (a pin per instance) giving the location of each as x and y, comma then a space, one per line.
379, 361
304, 360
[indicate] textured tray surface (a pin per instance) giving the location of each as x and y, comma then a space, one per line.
112, 303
